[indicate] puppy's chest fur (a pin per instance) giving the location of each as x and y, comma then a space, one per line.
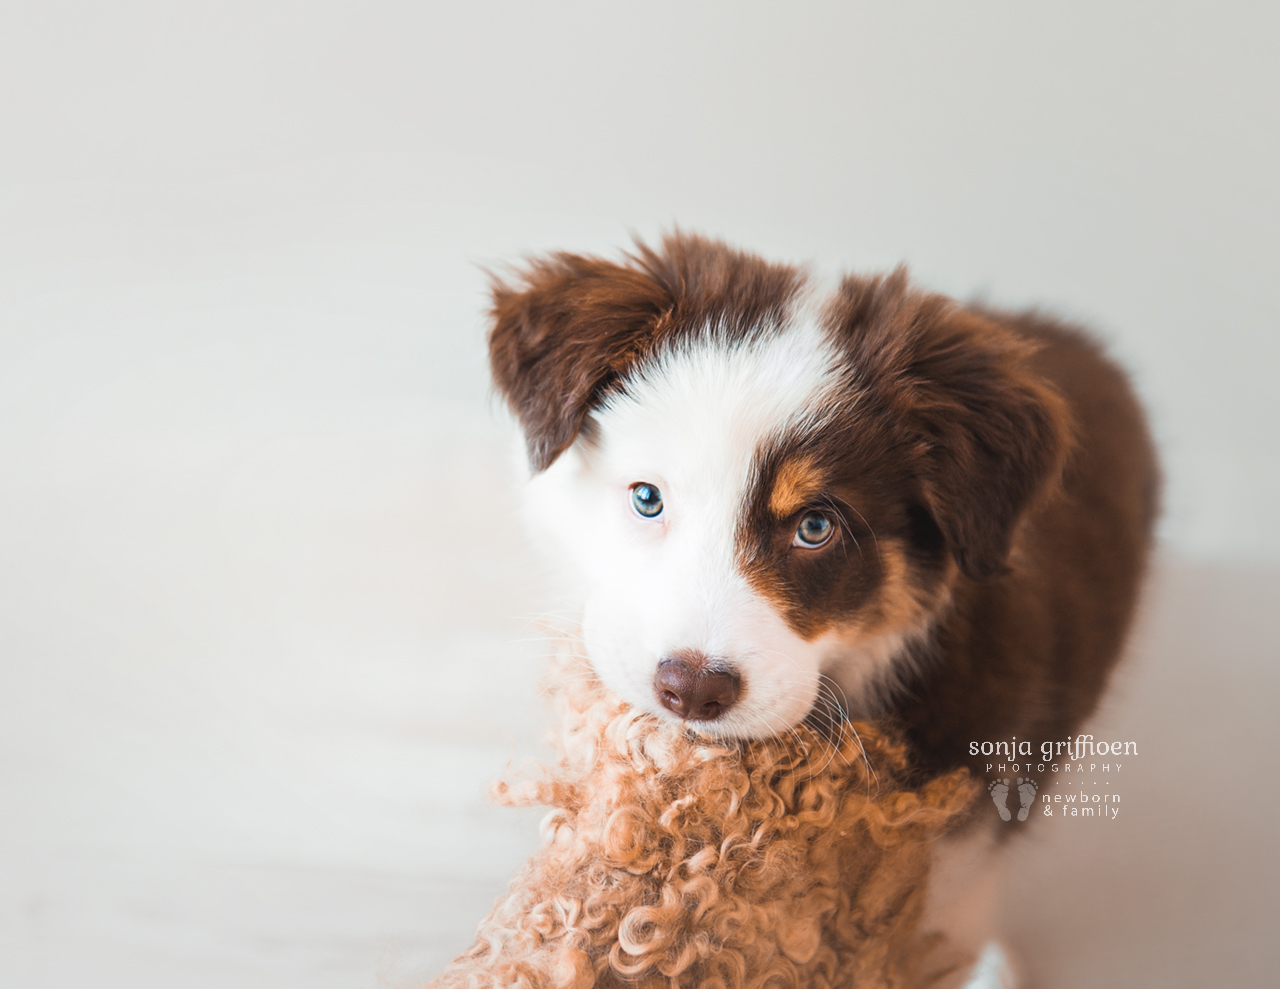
780, 505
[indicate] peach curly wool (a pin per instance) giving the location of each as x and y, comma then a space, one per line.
672, 860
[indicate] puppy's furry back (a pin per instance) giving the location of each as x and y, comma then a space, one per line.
670, 860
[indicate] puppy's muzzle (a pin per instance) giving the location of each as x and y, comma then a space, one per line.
687, 686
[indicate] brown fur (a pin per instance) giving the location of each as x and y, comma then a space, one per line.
571, 326
1028, 652
796, 483
671, 861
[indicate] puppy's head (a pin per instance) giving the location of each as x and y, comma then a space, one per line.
764, 493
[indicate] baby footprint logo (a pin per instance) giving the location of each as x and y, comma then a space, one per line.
1000, 794
1026, 794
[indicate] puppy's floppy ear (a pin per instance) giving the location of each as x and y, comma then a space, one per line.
567, 328
999, 435
988, 435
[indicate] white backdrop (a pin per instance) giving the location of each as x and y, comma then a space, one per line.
332, 173
261, 598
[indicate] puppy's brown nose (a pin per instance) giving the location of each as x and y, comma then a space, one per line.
685, 686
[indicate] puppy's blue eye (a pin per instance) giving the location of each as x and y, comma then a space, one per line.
813, 531
646, 500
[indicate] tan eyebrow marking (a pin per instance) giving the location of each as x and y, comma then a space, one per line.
797, 481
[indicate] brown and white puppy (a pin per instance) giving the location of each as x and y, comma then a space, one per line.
780, 505
777, 503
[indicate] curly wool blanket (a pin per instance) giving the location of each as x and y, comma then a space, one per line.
674, 860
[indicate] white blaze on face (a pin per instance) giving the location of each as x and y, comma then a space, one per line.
690, 422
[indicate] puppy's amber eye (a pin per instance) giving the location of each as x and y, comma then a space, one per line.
813, 531
646, 500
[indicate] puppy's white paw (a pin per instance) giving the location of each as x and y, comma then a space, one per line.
993, 970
